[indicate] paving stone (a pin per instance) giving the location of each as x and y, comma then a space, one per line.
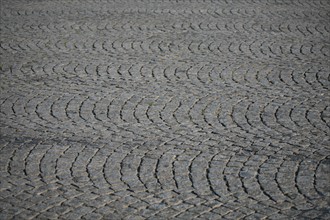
159, 109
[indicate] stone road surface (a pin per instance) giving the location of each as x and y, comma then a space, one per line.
165, 109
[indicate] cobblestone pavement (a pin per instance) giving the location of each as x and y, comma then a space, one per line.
164, 109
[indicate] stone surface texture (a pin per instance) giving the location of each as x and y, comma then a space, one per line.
165, 109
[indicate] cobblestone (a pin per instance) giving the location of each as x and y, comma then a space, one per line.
160, 109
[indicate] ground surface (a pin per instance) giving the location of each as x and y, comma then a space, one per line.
159, 109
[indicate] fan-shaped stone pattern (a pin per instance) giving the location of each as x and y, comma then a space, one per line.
165, 109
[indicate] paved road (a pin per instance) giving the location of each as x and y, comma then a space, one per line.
164, 109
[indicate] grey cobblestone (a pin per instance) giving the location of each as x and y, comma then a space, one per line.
160, 109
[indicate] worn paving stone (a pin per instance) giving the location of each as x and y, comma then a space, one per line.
160, 109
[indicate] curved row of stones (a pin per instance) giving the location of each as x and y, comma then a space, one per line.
198, 109
155, 179
102, 113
